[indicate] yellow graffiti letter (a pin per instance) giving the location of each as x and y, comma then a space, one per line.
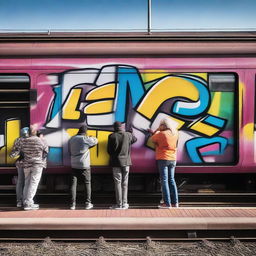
168, 87
69, 109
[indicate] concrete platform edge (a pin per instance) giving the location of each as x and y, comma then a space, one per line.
117, 223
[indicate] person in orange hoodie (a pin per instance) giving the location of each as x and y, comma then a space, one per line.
165, 139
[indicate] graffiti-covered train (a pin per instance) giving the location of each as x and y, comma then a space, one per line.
207, 89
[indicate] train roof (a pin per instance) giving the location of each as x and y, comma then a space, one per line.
56, 43
169, 36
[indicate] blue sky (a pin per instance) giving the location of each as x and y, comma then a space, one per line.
127, 15
204, 14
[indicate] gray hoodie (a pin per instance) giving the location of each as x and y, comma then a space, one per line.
79, 150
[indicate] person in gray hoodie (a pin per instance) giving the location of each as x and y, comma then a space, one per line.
79, 146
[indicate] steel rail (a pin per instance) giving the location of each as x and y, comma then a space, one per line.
127, 235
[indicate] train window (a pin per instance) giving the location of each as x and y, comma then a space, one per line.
14, 81
222, 82
14, 95
14, 90
14, 112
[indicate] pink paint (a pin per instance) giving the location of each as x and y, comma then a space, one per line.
39, 70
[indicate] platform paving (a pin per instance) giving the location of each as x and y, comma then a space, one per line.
189, 218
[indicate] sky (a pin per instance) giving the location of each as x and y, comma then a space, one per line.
127, 15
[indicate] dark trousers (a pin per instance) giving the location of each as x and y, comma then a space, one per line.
121, 175
83, 175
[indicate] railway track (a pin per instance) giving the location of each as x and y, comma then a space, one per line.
126, 235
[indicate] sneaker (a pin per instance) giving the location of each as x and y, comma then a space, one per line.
162, 201
88, 206
175, 205
31, 207
19, 204
116, 207
125, 206
73, 206
164, 206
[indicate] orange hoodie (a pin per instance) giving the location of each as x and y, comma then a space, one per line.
166, 145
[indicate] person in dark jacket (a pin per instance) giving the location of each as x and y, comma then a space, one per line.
119, 149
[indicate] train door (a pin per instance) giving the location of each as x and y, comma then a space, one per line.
14, 112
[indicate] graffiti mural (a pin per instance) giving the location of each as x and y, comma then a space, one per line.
97, 97
201, 105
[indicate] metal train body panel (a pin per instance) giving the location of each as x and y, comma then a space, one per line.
211, 100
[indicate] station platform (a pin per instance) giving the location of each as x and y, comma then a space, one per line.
189, 219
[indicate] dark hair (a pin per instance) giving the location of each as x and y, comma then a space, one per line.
82, 130
117, 126
38, 133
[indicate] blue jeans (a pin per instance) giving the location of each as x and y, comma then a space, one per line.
169, 188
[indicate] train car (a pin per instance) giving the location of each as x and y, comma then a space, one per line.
204, 83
